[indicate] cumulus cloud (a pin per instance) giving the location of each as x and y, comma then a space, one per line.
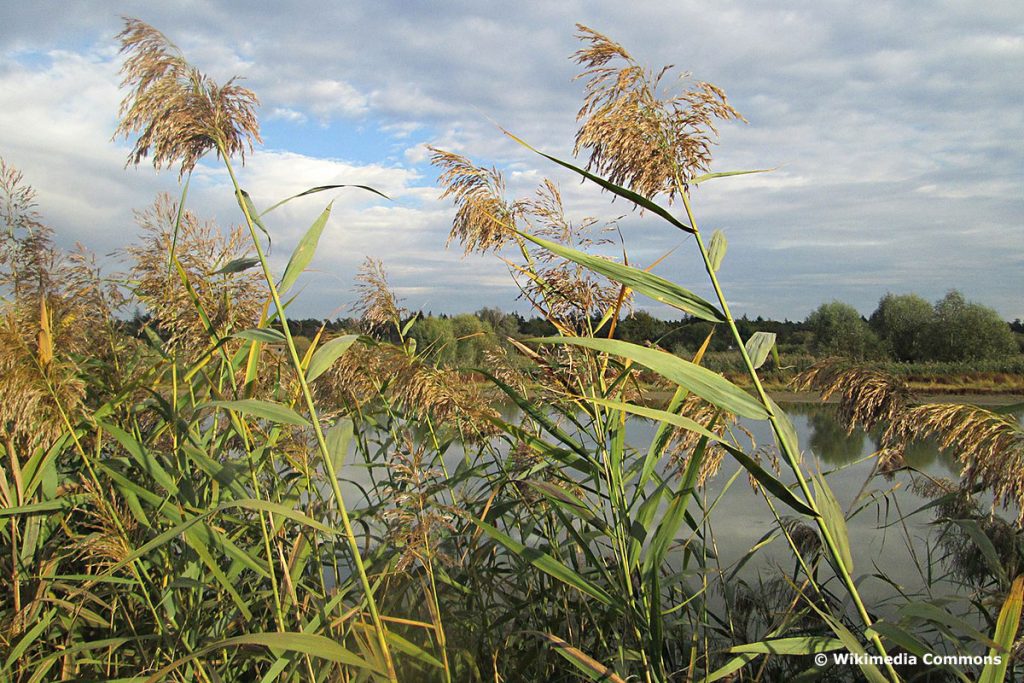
895, 134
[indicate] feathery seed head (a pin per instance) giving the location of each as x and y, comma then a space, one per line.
377, 304
179, 113
635, 138
484, 221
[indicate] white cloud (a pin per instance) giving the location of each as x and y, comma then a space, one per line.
893, 129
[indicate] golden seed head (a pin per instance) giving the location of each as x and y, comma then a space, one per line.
484, 221
635, 138
377, 304
179, 113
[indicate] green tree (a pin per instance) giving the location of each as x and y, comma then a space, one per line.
903, 322
503, 324
435, 338
964, 330
840, 330
473, 337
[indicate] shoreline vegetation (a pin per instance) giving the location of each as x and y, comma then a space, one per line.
214, 493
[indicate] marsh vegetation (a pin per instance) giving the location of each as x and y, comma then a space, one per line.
209, 498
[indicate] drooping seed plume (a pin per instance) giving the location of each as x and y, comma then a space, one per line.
651, 144
178, 112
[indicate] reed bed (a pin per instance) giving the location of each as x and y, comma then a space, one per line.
206, 501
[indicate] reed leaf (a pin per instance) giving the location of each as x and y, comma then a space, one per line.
267, 410
306, 643
710, 386
1005, 635
639, 280
590, 667
304, 251
547, 564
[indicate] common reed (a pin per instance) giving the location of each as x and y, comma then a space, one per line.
179, 113
637, 138
216, 500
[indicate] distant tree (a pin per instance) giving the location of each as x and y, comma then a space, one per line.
903, 323
503, 324
473, 337
536, 327
641, 327
965, 330
840, 330
435, 338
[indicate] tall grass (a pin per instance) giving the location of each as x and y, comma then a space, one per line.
205, 502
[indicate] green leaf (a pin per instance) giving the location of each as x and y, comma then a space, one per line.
834, 519
716, 252
591, 668
985, 545
30, 637
412, 649
237, 266
546, 563
639, 280
328, 352
730, 667
937, 615
708, 385
638, 199
759, 346
62, 503
268, 410
850, 642
338, 438
674, 515
770, 482
267, 335
142, 456
250, 208
661, 416
799, 645
786, 433
305, 643
303, 253
322, 188
725, 174
1006, 634
541, 414
177, 223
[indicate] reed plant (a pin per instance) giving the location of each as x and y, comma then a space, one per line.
208, 501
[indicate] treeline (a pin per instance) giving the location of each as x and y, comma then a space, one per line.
903, 328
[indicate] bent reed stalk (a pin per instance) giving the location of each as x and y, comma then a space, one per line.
792, 459
325, 454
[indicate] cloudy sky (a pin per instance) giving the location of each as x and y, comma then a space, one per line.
896, 128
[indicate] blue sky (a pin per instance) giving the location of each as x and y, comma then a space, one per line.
897, 130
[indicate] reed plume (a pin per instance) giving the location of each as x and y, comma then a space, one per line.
636, 138
179, 113
377, 305
988, 446
867, 397
230, 301
484, 221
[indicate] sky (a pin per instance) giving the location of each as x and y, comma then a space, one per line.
896, 131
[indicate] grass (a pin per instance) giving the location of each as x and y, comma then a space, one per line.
217, 501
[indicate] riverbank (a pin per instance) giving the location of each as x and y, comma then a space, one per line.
972, 398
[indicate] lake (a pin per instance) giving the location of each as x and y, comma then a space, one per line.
882, 544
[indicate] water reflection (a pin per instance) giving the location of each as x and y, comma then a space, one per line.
828, 439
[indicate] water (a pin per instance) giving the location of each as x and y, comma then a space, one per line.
885, 538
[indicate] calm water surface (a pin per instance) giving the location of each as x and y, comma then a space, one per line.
882, 543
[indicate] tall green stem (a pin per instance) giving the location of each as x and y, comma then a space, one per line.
784, 445
332, 475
